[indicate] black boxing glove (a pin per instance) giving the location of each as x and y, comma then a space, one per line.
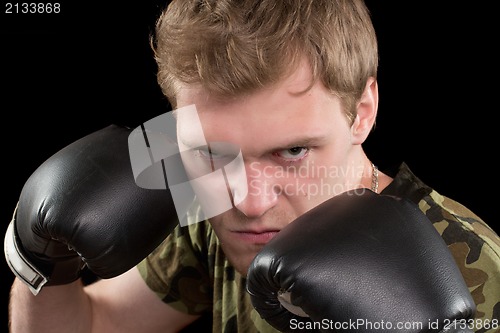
359, 262
83, 207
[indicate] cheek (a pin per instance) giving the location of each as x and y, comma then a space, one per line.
314, 181
308, 193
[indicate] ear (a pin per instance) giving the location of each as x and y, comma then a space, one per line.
366, 112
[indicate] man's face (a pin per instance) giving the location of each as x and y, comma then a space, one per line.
297, 153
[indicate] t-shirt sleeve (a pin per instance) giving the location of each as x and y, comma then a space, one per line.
177, 270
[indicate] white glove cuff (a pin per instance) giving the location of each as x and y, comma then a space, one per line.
19, 264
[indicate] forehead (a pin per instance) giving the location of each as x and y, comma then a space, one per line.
299, 81
290, 111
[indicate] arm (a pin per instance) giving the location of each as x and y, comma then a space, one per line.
126, 304
120, 304
54, 309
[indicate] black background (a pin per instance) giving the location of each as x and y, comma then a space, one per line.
65, 75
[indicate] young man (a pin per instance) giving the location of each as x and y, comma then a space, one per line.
294, 85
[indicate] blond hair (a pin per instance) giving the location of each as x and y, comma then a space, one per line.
233, 47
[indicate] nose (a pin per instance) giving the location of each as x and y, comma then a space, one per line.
263, 192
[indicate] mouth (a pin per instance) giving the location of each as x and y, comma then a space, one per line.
255, 237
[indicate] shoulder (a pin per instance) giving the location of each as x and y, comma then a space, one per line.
462, 229
455, 222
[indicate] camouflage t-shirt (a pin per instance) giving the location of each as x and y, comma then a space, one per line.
190, 272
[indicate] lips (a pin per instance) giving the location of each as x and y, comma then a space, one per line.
255, 237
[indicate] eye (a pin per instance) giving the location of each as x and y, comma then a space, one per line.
202, 153
293, 154
209, 155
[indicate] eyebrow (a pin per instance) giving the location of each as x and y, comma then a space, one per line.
309, 141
